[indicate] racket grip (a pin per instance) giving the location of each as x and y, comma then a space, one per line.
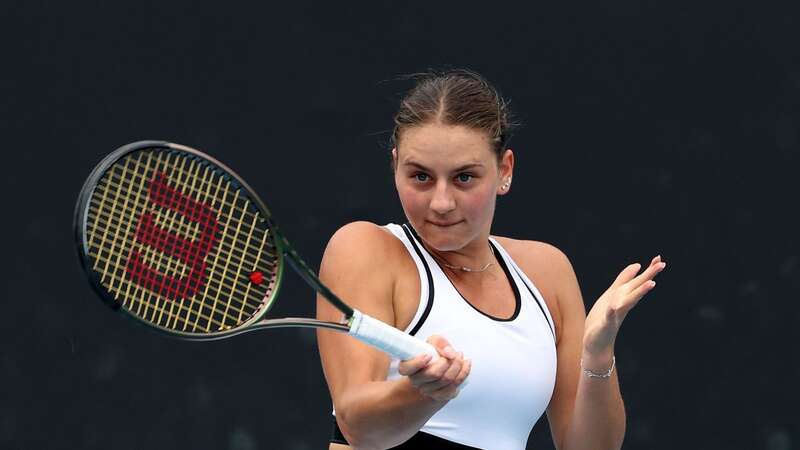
388, 338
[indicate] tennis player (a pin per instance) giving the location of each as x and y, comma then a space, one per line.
505, 315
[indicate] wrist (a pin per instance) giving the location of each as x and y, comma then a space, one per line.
597, 362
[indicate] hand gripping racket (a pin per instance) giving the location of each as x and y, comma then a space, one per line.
176, 240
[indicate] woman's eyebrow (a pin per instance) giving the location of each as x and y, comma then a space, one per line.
458, 169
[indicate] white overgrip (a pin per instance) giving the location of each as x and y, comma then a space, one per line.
388, 338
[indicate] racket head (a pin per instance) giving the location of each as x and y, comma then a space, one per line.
176, 240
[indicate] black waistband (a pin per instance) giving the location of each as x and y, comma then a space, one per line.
420, 441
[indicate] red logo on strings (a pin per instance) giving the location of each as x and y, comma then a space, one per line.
192, 253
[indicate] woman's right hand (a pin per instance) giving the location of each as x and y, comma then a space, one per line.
439, 380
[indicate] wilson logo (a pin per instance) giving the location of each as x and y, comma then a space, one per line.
192, 253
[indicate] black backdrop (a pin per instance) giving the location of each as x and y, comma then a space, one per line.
648, 128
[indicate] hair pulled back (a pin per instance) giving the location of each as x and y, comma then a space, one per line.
455, 97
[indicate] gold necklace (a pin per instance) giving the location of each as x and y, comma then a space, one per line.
462, 268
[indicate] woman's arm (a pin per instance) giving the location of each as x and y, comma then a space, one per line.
372, 412
587, 412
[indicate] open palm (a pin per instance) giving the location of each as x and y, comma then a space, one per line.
606, 316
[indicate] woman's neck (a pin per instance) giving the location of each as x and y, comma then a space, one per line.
471, 260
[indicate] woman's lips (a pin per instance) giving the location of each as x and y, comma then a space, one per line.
443, 224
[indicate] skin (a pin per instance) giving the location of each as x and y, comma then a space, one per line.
448, 180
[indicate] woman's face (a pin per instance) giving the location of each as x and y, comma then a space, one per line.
448, 177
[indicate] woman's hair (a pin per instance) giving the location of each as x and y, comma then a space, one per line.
455, 97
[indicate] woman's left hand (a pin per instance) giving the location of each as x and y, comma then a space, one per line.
607, 314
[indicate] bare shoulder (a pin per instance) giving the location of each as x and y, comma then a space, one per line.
359, 245
546, 265
533, 251
362, 236
361, 263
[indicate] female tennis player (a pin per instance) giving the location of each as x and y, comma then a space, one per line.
505, 315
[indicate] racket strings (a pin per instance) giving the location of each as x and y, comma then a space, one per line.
115, 221
135, 179
148, 260
169, 266
216, 298
119, 196
189, 317
187, 228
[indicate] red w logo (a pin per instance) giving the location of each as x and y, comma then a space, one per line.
192, 253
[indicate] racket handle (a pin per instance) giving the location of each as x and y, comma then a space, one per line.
388, 338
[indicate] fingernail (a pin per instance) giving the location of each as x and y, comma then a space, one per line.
449, 352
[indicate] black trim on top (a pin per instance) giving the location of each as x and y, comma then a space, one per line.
541, 308
429, 306
502, 262
420, 441
517, 296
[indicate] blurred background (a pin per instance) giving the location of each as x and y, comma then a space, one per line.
649, 128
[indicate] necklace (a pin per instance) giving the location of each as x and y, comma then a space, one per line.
462, 268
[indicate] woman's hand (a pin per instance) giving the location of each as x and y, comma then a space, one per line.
439, 380
605, 318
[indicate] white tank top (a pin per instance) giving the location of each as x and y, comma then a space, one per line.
513, 360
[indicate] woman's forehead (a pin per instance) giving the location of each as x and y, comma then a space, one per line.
453, 145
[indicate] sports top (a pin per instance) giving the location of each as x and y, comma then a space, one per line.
513, 359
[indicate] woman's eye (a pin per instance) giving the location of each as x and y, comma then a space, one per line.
421, 177
464, 177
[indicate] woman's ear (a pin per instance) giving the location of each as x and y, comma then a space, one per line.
505, 171
394, 159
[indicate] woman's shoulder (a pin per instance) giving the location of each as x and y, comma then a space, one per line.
365, 261
362, 234
363, 242
533, 253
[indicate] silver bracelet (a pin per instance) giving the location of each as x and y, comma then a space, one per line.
591, 374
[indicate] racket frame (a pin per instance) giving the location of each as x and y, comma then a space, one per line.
283, 248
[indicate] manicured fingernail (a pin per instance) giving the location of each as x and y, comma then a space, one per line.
449, 352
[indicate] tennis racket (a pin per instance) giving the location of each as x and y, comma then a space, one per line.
177, 241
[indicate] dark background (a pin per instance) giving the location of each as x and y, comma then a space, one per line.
649, 127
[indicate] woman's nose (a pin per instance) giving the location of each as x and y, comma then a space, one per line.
442, 201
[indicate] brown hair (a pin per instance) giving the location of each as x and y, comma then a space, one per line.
455, 97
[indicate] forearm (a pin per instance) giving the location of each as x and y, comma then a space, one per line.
384, 414
598, 418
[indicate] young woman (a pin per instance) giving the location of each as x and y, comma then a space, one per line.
506, 315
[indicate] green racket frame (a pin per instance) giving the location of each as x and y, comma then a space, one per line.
283, 247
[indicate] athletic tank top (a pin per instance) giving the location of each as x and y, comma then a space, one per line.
513, 359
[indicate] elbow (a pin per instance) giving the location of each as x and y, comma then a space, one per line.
355, 435
342, 420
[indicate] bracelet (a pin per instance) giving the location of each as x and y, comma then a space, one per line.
591, 374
